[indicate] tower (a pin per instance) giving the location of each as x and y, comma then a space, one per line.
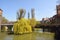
58, 9
58, 14
1, 12
0, 17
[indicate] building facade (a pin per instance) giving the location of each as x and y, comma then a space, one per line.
1, 11
56, 18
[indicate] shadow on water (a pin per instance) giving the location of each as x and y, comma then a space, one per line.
57, 33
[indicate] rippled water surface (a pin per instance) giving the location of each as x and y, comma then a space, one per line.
30, 36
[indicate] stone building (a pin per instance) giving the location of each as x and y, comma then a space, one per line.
56, 18
0, 17
45, 21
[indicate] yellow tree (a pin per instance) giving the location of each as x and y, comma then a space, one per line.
22, 25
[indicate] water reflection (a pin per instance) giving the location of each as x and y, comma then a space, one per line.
24, 37
9, 37
29, 36
33, 36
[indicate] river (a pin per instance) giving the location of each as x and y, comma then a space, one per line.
36, 35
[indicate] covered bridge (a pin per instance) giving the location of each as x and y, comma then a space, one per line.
7, 26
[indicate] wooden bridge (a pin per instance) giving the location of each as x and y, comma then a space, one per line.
49, 27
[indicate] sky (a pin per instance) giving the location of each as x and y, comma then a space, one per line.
43, 8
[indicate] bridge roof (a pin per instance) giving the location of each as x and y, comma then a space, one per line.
6, 24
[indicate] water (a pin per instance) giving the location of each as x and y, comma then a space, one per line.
30, 36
